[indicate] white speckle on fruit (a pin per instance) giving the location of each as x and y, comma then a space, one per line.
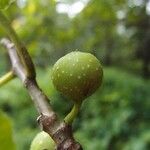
76, 75
45, 135
40, 142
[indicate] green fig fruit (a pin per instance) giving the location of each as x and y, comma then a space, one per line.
77, 75
42, 141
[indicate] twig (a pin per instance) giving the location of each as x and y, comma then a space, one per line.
73, 113
21, 49
6, 78
49, 121
58, 130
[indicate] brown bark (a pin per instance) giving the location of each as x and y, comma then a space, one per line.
48, 120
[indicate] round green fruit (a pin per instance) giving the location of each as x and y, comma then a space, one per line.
42, 141
77, 75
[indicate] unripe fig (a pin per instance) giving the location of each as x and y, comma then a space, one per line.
77, 75
42, 141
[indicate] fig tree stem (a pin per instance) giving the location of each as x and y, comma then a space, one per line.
23, 68
73, 113
21, 49
6, 78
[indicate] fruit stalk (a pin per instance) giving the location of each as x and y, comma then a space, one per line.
73, 113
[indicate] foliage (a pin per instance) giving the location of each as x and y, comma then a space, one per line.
116, 32
119, 114
6, 139
5, 3
115, 116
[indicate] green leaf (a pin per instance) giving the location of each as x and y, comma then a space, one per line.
5, 3
6, 139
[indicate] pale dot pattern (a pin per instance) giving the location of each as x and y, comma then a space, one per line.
40, 142
73, 73
45, 135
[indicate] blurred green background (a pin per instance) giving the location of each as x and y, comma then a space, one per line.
117, 116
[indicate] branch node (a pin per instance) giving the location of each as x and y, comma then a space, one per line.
69, 144
23, 67
46, 122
